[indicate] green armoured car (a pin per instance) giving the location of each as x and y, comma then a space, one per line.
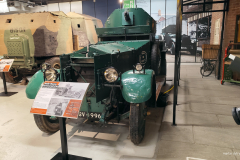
34, 38
122, 70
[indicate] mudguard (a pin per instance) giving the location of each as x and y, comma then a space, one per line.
34, 85
137, 87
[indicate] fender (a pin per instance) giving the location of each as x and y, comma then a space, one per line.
34, 85
137, 87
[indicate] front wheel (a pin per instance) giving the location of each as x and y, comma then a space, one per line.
47, 124
54, 62
11, 76
137, 122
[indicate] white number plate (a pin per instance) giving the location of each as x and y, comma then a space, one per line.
93, 115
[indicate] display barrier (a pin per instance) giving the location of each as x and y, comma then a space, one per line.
5, 65
64, 155
62, 100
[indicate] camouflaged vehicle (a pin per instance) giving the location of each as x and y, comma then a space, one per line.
34, 38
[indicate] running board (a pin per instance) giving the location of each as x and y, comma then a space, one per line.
160, 80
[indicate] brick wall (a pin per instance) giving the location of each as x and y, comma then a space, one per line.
215, 16
230, 23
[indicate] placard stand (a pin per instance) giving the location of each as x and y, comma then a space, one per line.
64, 155
6, 93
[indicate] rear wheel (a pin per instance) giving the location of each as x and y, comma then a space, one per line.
54, 62
137, 122
47, 124
11, 76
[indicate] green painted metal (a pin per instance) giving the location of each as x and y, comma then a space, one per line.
137, 87
134, 44
127, 23
140, 18
117, 53
140, 23
34, 85
111, 48
121, 31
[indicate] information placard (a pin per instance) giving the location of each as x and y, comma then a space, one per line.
60, 99
5, 64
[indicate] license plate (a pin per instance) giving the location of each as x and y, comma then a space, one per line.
92, 115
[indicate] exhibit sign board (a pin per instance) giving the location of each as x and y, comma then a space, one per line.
5, 64
60, 99
128, 4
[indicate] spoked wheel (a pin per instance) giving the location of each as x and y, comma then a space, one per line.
156, 59
137, 122
12, 76
54, 62
47, 124
207, 69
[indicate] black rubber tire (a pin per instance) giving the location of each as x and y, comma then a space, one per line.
11, 79
172, 49
208, 74
54, 62
137, 123
156, 59
45, 125
235, 116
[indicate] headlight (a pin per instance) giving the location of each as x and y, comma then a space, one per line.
139, 67
51, 74
45, 66
111, 75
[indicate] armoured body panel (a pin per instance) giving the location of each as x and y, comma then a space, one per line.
26, 37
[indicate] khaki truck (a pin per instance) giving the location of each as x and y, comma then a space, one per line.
34, 38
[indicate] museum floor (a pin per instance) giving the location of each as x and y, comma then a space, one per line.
205, 128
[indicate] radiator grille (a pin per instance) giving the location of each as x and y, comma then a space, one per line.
15, 48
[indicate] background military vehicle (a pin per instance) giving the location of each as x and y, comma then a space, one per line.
169, 35
123, 70
34, 38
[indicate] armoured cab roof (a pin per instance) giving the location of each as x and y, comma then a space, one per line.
116, 47
128, 21
110, 47
30, 20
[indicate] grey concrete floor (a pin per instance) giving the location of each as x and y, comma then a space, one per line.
185, 57
20, 139
205, 129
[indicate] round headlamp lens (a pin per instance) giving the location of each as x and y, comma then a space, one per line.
45, 66
138, 67
111, 75
51, 74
